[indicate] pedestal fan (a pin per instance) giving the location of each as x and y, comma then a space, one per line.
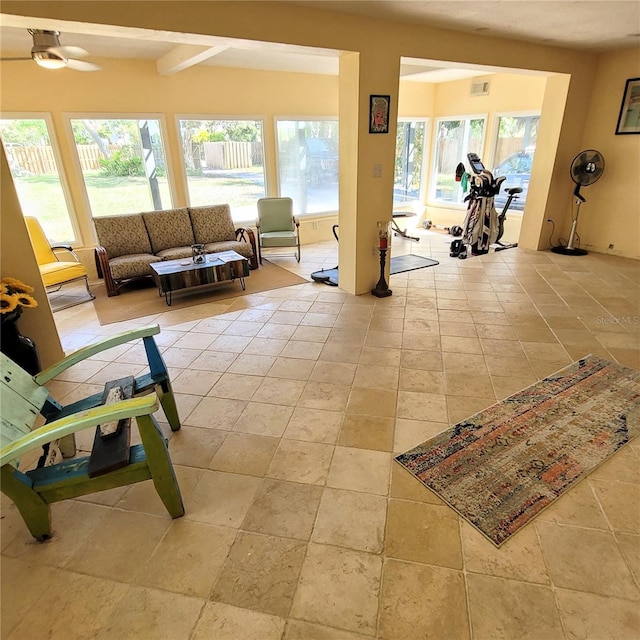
586, 168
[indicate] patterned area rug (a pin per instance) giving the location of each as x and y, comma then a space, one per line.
501, 467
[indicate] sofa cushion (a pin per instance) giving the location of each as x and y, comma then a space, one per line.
243, 248
212, 223
54, 273
176, 253
168, 228
132, 266
122, 235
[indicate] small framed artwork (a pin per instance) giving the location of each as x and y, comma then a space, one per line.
379, 114
629, 118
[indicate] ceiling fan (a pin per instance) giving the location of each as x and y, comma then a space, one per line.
50, 54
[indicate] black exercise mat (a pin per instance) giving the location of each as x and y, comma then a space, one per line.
410, 262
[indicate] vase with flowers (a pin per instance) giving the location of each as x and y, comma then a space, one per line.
15, 296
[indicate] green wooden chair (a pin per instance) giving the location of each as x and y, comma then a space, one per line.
112, 463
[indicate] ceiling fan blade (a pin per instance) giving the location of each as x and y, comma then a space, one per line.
13, 59
69, 52
82, 65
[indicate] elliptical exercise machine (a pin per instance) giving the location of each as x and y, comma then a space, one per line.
482, 226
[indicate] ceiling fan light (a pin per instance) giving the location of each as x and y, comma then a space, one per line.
48, 60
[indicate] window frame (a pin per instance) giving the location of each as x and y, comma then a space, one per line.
496, 128
62, 174
433, 182
494, 148
304, 118
424, 171
75, 159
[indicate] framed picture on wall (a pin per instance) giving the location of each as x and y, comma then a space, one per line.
379, 114
629, 118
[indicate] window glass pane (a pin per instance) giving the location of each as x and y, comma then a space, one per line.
224, 160
515, 148
409, 162
308, 164
123, 165
35, 174
454, 140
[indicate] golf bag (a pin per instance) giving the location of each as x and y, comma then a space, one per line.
481, 224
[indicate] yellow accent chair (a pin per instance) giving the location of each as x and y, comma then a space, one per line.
54, 271
277, 226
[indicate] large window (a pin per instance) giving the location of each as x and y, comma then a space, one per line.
224, 161
33, 162
515, 146
410, 161
123, 164
308, 164
455, 138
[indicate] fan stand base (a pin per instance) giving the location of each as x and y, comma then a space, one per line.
569, 251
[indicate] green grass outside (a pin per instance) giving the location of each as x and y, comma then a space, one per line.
241, 193
42, 196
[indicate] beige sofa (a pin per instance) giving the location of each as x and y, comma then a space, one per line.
129, 243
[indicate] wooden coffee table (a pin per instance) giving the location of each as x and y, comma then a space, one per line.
219, 268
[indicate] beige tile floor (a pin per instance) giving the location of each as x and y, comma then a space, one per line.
299, 525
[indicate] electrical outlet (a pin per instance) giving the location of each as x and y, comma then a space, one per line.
610, 246
315, 226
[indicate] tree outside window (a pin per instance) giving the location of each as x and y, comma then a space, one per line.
123, 164
224, 163
409, 162
455, 138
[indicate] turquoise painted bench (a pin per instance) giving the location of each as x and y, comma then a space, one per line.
24, 398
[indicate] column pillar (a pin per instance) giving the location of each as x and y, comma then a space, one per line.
366, 165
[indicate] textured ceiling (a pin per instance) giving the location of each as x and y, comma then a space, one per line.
593, 25
596, 25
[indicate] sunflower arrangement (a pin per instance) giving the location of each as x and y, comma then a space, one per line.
14, 296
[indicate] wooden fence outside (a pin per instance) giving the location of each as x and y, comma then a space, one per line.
41, 161
217, 155
231, 155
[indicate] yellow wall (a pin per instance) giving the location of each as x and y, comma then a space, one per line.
132, 87
416, 99
507, 92
378, 45
611, 215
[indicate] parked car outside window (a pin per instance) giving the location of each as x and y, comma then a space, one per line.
516, 168
323, 160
